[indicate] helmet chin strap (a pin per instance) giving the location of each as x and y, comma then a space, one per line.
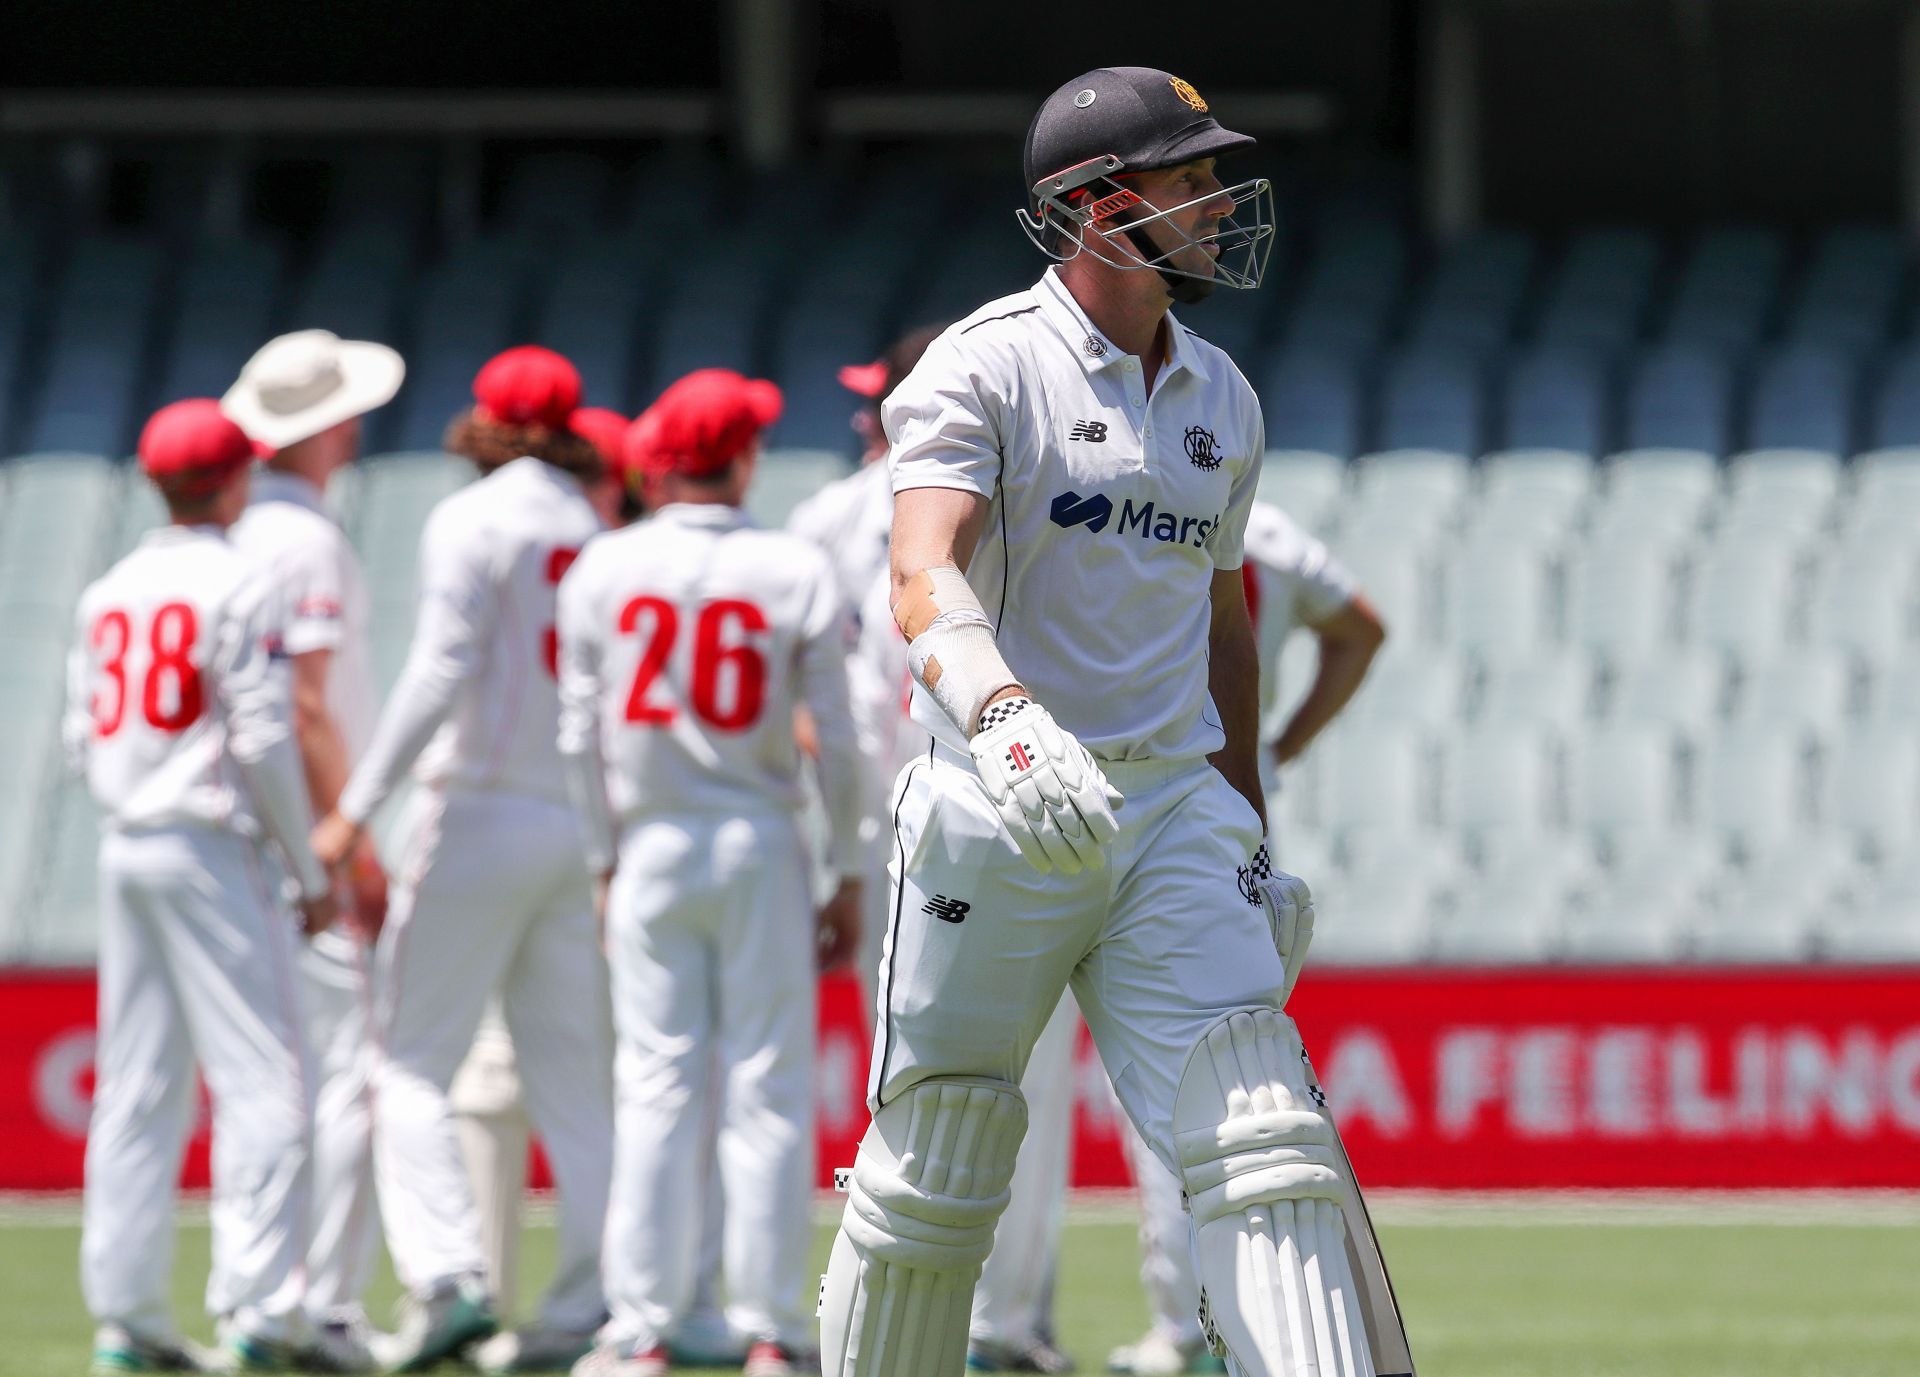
1181, 287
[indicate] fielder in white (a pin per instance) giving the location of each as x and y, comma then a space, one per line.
687, 642
489, 895
850, 521
301, 397
178, 712
1090, 463
1294, 584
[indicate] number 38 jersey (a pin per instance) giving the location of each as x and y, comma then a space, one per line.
475, 703
179, 705
686, 642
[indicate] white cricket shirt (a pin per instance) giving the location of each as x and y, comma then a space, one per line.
288, 531
1109, 510
851, 521
1299, 584
686, 642
476, 704
179, 707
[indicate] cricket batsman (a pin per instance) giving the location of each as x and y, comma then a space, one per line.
1072, 471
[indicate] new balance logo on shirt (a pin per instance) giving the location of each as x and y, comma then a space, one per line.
1094, 432
947, 910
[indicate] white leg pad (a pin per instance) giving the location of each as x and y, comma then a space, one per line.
1264, 1181
927, 1188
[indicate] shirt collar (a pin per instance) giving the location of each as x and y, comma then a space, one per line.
527, 466
172, 533
710, 515
271, 485
1094, 350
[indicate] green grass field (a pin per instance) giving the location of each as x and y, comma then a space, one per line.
1499, 1290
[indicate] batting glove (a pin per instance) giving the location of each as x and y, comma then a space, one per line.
1289, 906
1051, 796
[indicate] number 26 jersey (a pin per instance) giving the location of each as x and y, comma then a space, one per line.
686, 643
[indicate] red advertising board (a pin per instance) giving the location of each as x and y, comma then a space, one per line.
1484, 1079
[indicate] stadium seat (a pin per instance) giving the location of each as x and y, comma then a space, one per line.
96, 349
1852, 288
354, 287
1513, 910
1432, 400
1353, 286
1801, 482
1752, 787
1622, 780
1312, 402
787, 477
1389, 561
1375, 917
1803, 690
223, 312
397, 493
1661, 477
1872, 787
1305, 484
1413, 479
559, 194
1803, 398
1893, 412
21, 275
1372, 776
1497, 600
470, 309
1681, 687
1680, 398
1740, 600
1727, 288
1409, 685
53, 531
66, 924
1497, 778
1884, 922
1471, 299
1888, 477
1558, 478
1556, 397
1620, 597
591, 314
1770, 909
1862, 601
1552, 689
1598, 299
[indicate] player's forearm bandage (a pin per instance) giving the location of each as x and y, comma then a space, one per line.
950, 644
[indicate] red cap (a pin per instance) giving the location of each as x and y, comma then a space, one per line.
867, 379
191, 448
604, 429
528, 385
704, 422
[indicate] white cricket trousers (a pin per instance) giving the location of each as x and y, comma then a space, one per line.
710, 935
1157, 944
196, 963
1013, 1302
493, 896
336, 1000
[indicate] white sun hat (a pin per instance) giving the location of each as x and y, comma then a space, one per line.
303, 383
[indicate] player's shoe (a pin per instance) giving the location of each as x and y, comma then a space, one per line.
538, 1349
116, 1349
624, 1360
436, 1326
768, 1359
1156, 1355
704, 1339
240, 1351
341, 1343
1039, 1355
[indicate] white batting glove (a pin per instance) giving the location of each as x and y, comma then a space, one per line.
1051, 796
1289, 906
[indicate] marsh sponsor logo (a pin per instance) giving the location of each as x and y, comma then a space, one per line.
1141, 519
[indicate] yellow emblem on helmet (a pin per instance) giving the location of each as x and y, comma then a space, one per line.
1184, 90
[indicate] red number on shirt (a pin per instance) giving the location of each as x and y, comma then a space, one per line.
745, 667
112, 627
558, 562
729, 688
175, 628
666, 626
